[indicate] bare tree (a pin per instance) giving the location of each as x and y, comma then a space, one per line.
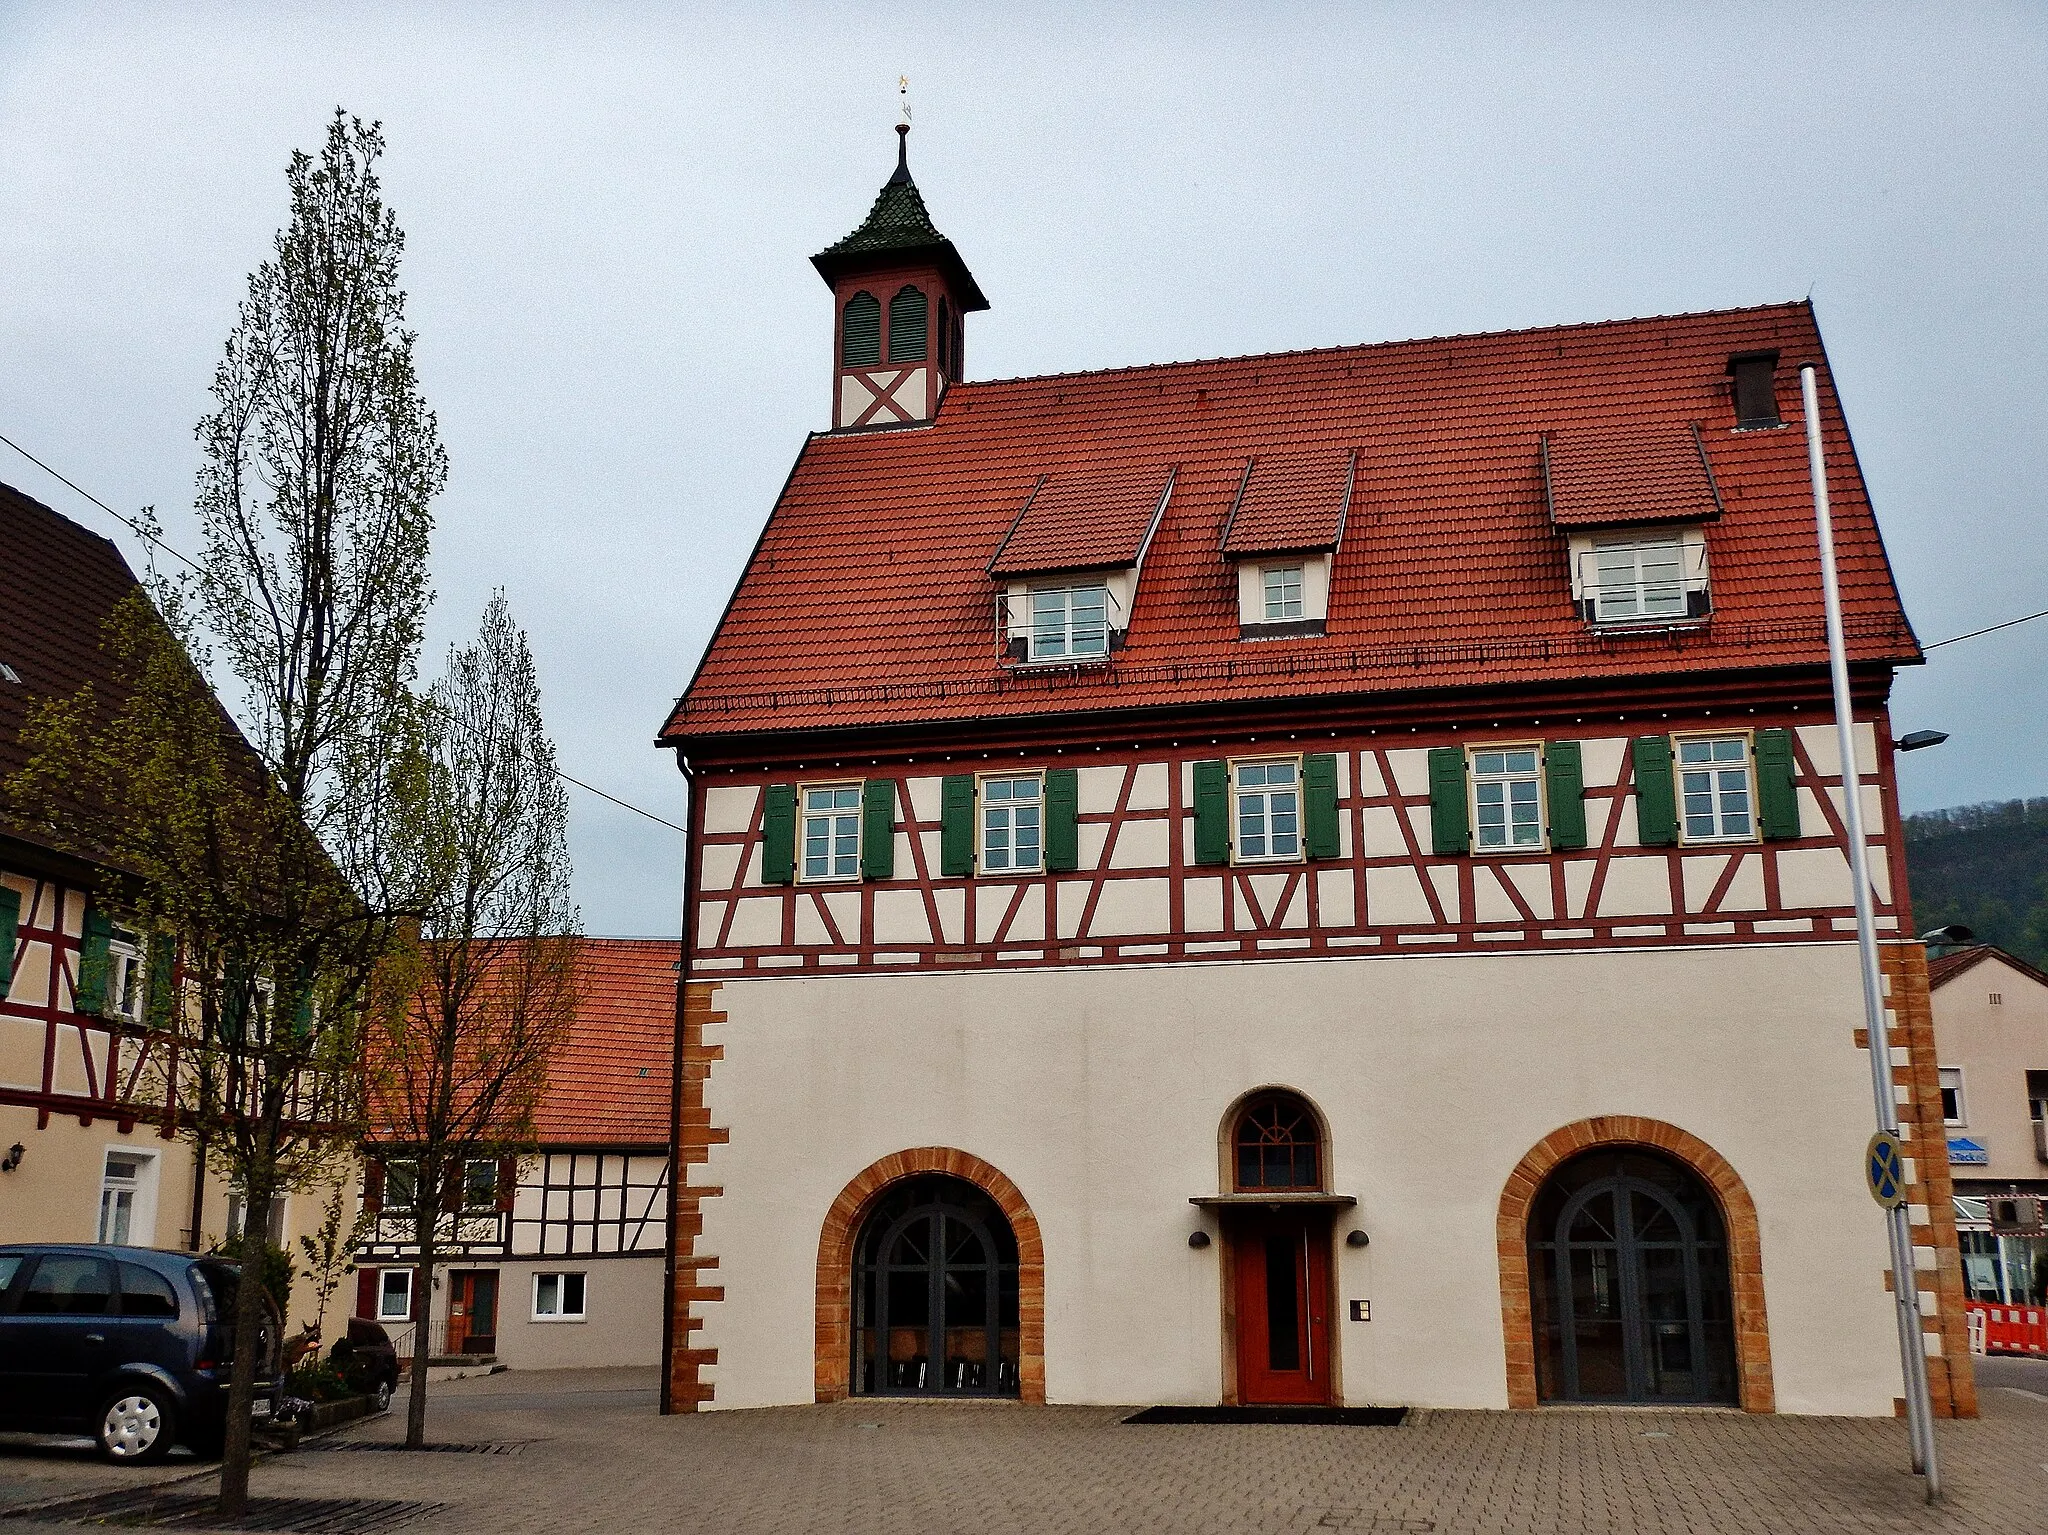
273, 872
460, 1073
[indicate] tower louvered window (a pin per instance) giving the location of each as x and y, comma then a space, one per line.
909, 319
946, 338
860, 336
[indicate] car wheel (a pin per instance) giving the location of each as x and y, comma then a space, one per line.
136, 1425
380, 1396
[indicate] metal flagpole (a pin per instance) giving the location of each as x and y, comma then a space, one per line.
1905, 1287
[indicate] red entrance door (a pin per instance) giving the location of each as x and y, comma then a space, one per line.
473, 1312
1282, 1263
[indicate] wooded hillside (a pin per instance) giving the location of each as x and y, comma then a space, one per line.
1985, 866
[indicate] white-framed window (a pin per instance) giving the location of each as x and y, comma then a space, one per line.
1282, 585
1953, 1110
1069, 622
480, 1185
831, 831
1266, 810
127, 1199
1012, 824
394, 1295
558, 1297
1507, 799
401, 1184
1716, 799
1638, 579
127, 976
273, 1228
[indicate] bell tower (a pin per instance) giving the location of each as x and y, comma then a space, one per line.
900, 293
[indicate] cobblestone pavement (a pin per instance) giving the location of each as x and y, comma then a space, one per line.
592, 1455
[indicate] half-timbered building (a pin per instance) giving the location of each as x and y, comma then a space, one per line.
88, 1044
553, 1257
1313, 878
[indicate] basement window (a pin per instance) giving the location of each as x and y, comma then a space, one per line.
1755, 389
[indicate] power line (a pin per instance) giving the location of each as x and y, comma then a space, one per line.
177, 554
1958, 638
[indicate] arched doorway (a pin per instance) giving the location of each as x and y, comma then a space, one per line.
935, 1293
1629, 1283
1278, 1249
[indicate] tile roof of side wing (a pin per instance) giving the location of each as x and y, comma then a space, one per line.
609, 1083
867, 601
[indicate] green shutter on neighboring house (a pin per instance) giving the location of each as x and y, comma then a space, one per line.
1062, 828
1319, 805
1565, 785
1777, 799
1656, 795
89, 995
10, 926
1450, 821
163, 976
878, 828
778, 834
1212, 812
956, 825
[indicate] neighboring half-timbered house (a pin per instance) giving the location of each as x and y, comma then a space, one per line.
555, 1257
88, 1048
1303, 878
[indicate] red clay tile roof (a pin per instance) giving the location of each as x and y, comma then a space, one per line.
609, 1085
1292, 503
1610, 476
1945, 968
868, 598
1089, 517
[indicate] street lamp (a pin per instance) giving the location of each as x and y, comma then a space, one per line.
1920, 738
1954, 936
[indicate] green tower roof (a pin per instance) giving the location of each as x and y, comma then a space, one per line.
897, 232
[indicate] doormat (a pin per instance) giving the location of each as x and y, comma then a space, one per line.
161, 1509
1316, 1417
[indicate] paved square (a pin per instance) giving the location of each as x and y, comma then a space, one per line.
592, 1455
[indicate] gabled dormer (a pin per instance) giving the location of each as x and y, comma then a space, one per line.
1634, 504
1067, 569
899, 296
1281, 539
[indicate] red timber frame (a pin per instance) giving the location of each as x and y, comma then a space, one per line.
1277, 911
110, 1055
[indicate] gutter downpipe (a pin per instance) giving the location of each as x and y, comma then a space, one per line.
675, 1099
1905, 1288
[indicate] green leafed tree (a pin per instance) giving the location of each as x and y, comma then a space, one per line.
460, 1072
269, 855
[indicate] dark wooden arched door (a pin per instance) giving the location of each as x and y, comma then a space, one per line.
1628, 1273
935, 1293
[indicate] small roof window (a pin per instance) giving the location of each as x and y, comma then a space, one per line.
1755, 389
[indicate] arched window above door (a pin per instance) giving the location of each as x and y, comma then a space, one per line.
1277, 1144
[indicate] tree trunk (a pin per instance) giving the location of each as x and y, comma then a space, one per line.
426, 1220
250, 1311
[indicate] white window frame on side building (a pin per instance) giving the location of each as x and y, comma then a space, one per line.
1256, 798
127, 975
1718, 770
384, 1295
127, 1216
1004, 816
559, 1282
1060, 626
1951, 1086
1506, 788
843, 807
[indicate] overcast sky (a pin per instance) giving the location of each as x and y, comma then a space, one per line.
609, 211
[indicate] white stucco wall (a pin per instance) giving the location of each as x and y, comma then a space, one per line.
1100, 1094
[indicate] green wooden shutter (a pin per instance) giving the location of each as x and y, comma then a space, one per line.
1062, 829
778, 834
860, 331
1656, 795
302, 1012
909, 313
10, 927
90, 994
1777, 801
1319, 805
1212, 812
234, 1006
956, 825
1565, 785
163, 975
878, 828
1450, 820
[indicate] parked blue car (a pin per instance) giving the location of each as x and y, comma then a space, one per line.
128, 1344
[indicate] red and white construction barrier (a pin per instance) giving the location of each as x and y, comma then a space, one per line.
1997, 1328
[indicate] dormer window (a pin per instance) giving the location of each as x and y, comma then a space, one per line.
1653, 576
1069, 623
1755, 389
1283, 593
